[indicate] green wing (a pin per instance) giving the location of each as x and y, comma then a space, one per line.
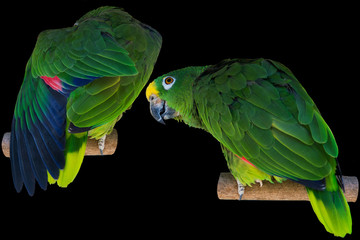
89, 61
105, 99
258, 110
88, 75
80, 54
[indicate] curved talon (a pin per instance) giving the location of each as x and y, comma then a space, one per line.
259, 181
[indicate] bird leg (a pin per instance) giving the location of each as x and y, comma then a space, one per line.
241, 189
101, 144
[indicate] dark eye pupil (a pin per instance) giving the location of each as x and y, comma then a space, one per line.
168, 80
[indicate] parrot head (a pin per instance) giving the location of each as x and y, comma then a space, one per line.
170, 95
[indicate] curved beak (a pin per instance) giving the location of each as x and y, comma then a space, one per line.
160, 110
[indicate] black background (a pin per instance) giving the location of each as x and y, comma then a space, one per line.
161, 181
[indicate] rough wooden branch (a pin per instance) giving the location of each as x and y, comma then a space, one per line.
92, 148
288, 190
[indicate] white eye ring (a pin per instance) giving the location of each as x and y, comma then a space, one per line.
168, 82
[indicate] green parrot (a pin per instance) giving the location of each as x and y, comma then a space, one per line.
267, 125
78, 82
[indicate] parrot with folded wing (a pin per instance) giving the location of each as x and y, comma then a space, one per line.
78, 82
267, 125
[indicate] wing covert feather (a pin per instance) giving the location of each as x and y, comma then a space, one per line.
270, 120
88, 74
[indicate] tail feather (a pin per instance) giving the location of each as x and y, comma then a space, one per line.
74, 155
331, 208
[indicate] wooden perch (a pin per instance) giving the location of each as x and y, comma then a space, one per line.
287, 191
92, 148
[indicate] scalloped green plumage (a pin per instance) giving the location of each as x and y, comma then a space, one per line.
74, 75
258, 110
318, 129
295, 130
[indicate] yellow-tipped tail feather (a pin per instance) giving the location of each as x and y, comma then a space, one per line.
331, 208
74, 155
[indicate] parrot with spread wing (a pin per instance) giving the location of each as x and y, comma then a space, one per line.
267, 125
78, 82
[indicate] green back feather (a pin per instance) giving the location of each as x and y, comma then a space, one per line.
257, 109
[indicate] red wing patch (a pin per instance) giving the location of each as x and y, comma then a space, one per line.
245, 160
53, 82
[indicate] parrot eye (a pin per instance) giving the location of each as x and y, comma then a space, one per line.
168, 82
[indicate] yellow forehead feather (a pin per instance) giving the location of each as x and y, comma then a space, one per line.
151, 89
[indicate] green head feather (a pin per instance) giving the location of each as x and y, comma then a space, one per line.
176, 88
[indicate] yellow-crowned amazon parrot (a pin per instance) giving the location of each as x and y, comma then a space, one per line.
268, 126
78, 82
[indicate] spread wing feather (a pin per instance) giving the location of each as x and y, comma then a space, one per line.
62, 61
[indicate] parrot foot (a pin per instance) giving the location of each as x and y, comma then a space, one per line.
101, 144
259, 182
241, 189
